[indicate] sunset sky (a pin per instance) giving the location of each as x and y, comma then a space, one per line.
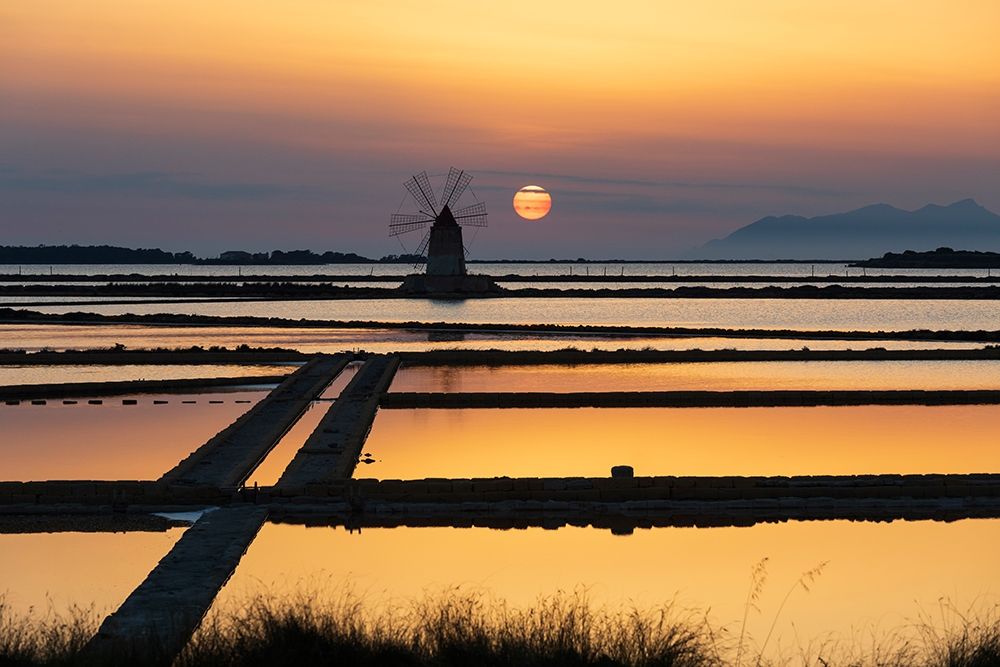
656, 126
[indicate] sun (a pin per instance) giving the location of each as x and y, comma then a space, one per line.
532, 202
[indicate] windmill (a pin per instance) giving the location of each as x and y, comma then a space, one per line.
442, 240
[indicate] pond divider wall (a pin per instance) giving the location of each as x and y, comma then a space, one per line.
332, 450
124, 387
166, 608
232, 454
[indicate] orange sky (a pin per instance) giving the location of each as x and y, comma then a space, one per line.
683, 118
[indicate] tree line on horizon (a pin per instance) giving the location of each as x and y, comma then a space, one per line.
106, 254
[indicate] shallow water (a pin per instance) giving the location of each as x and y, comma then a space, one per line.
877, 576
736, 269
112, 440
565, 442
56, 571
98, 373
270, 469
795, 314
715, 376
34, 337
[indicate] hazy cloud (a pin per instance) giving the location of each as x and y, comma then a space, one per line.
689, 185
146, 183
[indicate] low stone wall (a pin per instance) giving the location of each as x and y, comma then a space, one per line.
114, 494
21, 392
606, 489
505, 489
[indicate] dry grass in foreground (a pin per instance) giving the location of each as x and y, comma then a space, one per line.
459, 628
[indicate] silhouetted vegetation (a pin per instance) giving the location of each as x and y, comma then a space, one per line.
471, 629
105, 254
99, 254
942, 258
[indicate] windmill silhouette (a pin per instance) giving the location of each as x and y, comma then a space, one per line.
443, 241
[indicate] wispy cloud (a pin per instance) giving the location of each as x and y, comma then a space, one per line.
685, 185
146, 183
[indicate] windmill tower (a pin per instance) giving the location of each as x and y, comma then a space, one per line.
442, 241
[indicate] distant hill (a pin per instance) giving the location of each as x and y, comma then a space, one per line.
866, 232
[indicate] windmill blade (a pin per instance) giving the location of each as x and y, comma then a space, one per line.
420, 187
400, 223
473, 216
457, 181
422, 249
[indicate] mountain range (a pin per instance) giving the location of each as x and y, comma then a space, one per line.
866, 232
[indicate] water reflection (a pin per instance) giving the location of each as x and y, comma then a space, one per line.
715, 376
113, 440
878, 573
796, 314
56, 571
414, 444
60, 337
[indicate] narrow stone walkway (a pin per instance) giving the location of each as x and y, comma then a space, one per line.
232, 454
332, 451
163, 612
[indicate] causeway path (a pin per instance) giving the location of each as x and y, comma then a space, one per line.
170, 603
229, 457
332, 450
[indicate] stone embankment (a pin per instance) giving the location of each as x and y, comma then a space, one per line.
608, 489
21, 392
231, 455
149, 357
137, 495
332, 450
169, 604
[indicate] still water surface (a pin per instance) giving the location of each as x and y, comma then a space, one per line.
735, 269
794, 314
57, 571
716, 376
34, 337
561, 442
878, 575
270, 469
112, 441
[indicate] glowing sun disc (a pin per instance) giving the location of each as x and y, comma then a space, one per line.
532, 202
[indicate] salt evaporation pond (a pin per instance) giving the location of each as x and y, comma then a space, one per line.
878, 576
794, 314
112, 441
562, 442
33, 337
715, 376
54, 572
